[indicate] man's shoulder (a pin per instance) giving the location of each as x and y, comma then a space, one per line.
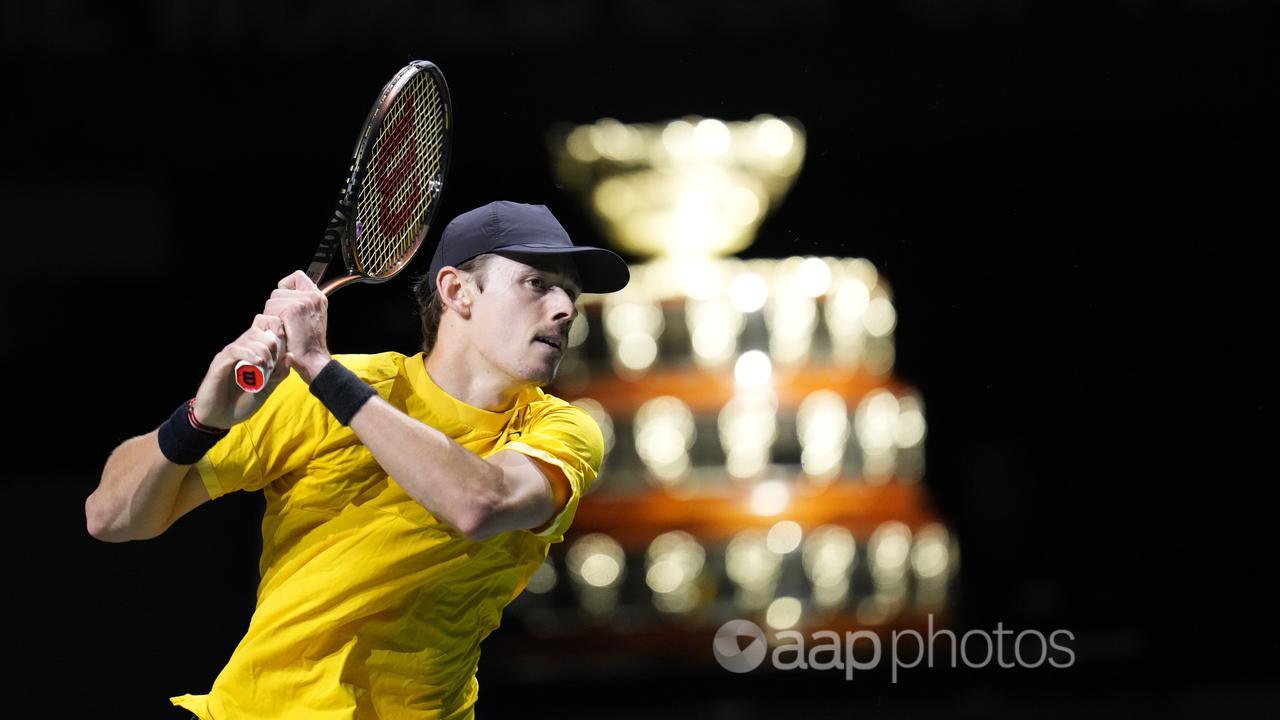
567, 426
547, 406
542, 401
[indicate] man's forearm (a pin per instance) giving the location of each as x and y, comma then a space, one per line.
137, 493
456, 485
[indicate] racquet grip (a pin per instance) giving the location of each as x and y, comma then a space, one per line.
252, 377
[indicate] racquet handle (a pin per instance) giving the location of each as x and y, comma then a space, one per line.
252, 377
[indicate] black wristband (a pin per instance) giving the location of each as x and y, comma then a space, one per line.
182, 442
341, 391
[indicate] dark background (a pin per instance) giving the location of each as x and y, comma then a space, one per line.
1073, 202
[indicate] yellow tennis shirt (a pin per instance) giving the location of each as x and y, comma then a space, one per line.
370, 607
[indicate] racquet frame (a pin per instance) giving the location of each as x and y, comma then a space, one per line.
341, 224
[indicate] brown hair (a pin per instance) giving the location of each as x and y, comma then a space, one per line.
430, 307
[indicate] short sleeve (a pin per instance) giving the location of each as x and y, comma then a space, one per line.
281, 436
569, 439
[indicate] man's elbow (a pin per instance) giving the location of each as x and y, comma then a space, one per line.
479, 534
479, 523
513, 502
486, 521
490, 514
99, 524
104, 526
102, 520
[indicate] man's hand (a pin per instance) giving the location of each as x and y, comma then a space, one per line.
304, 310
296, 313
220, 402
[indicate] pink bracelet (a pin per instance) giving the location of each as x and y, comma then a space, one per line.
191, 418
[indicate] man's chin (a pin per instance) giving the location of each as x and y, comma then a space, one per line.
547, 378
541, 376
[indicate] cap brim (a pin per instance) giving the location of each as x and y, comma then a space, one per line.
600, 270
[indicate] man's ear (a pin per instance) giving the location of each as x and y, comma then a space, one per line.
454, 292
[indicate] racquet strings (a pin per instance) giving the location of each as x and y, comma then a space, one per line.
405, 173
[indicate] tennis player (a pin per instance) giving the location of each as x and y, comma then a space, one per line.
409, 499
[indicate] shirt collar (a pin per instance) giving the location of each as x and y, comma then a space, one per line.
450, 409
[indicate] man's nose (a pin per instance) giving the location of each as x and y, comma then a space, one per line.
563, 306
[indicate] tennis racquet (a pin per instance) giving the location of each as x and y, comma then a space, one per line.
392, 193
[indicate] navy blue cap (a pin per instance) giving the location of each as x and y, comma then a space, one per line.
506, 226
